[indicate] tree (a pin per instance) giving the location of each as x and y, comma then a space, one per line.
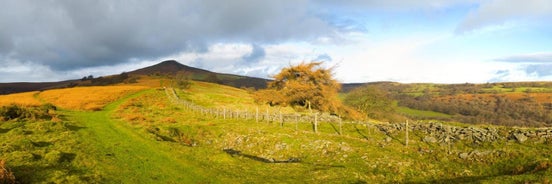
181, 81
373, 101
307, 84
213, 78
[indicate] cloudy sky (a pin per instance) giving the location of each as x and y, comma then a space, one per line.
442, 41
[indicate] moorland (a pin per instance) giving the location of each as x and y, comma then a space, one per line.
137, 128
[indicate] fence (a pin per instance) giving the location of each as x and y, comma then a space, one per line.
431, 132
258, 116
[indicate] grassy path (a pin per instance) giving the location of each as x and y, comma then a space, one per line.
122, 155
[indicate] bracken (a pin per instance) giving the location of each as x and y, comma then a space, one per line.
6, 176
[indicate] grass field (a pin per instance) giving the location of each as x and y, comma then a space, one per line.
141, 137
422, 114
25, 99
219, 96
87, 98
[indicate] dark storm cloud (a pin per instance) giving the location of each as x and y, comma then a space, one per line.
68, 34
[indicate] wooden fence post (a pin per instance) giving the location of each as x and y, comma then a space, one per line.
315, 123
406, 127
257, 115
340, 126
281, 120
224, 113
267, 115
296, 122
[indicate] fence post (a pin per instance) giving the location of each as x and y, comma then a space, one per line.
340, 127
406, 128
281, 120
296, 122
267, 115
224, 113
315, 123
257, 115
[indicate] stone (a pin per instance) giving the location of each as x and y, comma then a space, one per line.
429, 139
463, 155
520, 137
388, 139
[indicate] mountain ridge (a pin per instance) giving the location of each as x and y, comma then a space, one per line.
164, 68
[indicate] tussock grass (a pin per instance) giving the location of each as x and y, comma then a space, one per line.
362, 154
144, 138
87, 98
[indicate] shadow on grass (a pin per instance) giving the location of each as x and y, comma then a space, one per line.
233, 152
73, 127
462, 179
4, 130
539, 168
335, 128
360, 133
41, 144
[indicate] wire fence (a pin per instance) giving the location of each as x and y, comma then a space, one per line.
257, 115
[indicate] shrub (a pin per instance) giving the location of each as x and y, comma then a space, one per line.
14, 111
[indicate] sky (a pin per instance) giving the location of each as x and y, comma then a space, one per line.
437, 41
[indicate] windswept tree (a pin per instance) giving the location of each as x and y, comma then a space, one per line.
307, 84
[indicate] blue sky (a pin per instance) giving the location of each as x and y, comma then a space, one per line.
440, 41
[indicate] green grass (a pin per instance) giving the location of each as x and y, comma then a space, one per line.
421, 113
117, 148
144, 138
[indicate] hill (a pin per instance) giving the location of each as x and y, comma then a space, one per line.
165, 68
17, 87
172, 67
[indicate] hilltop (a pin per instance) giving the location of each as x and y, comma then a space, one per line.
164, 68
172, 67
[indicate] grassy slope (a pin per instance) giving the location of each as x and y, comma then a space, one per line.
143, 138
126, 156
361, 155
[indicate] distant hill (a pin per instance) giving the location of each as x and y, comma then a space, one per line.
172, 67
17, 87
165, 68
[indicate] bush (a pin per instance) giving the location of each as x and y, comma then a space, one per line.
13, 112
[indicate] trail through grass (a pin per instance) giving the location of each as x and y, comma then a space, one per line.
127, 157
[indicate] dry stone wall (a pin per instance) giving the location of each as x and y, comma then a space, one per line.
434, 132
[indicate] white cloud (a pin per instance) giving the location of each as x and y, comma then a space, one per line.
537, 57
500, 14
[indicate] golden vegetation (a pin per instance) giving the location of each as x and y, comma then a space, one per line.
307, 86
6, 176
23, 99
87, 98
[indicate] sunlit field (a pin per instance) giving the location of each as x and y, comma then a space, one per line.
24, 99
87, 98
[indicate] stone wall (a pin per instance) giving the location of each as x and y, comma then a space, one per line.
434, 132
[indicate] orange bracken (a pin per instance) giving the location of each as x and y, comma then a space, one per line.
87, 98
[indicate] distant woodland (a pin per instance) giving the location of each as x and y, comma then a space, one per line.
511, 104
